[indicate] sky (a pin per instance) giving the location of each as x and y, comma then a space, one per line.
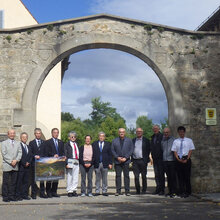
120, 78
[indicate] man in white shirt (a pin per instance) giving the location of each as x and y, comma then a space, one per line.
72, 155
182, 148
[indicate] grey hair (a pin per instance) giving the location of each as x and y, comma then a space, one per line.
101, 132
123, 129
156, 126
37, 129
23, 133
72, 133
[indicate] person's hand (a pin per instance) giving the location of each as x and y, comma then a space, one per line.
13, 163
87, 165
110, 166
119, 159
27, 164
184, 161
67, 166
123, 159
56, 155
151, 161
37, 157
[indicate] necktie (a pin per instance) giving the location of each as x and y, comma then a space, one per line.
76, 156
181, 149
100, 148
56, 145
12, 143
26, 148
38, 143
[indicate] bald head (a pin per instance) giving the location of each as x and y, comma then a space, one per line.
166, 132
11, 134
139, 132
121, 132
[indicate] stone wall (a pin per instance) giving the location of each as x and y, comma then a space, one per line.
186, 62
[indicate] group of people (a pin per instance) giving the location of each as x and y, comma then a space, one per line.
168, 155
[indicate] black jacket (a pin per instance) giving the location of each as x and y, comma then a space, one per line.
145, 149
69, 150
94, 157
37, 150
50, 149
156, 148
26, 157
106, 154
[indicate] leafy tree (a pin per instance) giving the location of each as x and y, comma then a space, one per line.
66, 116
164, 124
146, 124
102, 110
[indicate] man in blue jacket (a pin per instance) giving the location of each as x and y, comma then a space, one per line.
122, 149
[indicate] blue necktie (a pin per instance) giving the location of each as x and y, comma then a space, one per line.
56, 145
100, 148
181, 149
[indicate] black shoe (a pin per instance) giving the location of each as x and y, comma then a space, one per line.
34, 197
143, 192
49, 195
104, 194
70, 194
5, 200
116, 194
97, 194
13, 199
138, 192
127, 194
19, 199
161, 193
74, 194
26, 198
55, 195
168, 194
43, 196
156, 192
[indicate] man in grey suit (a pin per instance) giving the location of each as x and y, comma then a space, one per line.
122, 149
11, 155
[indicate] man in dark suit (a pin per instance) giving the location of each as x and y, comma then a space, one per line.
24, 169
122, 149
37, 146
157, 155
54, 147
140, 159
104, 162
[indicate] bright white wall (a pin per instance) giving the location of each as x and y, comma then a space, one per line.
49, 98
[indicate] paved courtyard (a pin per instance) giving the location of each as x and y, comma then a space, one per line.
134, 207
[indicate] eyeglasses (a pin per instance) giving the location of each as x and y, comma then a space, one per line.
72, 137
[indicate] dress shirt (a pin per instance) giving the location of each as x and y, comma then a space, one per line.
187, 146
138, 154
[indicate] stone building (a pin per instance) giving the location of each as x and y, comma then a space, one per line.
14, 14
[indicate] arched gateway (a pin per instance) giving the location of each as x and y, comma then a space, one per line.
187, 63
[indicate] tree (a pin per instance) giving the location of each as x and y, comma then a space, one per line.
110, 126
164, 124
102, 110
146, 124
66, 116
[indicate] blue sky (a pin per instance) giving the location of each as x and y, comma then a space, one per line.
122, 79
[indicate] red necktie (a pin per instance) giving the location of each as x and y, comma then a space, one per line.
75, 151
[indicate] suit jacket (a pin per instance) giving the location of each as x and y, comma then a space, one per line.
94, 156
145, 149
26, 157
156, 148
68, 150
36, 150
126, 150
50, 149
106, 154
9, 154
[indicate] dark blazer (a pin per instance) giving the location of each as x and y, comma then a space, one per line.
68, 150
106, 154
126, 151
50, 149
37, 150
156, 148
26, 157
145, 149
94, 157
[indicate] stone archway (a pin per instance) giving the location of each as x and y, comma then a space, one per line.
186, 63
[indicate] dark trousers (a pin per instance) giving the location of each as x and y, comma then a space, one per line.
9, 184
22, 185
170, 170
183, 174
34, 187
118, 169
159, 175
89, 173
51, 187
140, 167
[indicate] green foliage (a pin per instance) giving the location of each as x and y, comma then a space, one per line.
66, 116
193, 51
150, 33
50, 27
8, 38
197, 37
102, 110
62, 32
160, 29
29, 31
164, 124
146, 124
148, 27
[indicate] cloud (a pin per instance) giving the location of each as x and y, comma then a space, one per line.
186, 14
